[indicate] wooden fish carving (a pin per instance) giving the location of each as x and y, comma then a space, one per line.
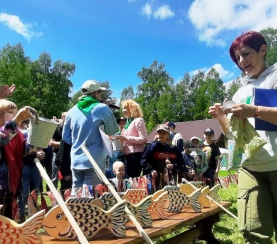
177, 199
134, 195
203, 200
108, 200
214, 193
140, 210
26, 233
159, 204
90, 218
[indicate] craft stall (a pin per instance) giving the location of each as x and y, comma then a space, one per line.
134, 216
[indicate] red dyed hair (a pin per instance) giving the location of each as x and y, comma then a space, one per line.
253, 39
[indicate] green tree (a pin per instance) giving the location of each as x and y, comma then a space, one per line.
15, 69
232, 89
155, 94
74, 99
193, 94
270, 35
181, 100
204, 91
127, 93
51, 85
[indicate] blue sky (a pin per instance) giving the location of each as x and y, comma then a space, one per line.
111, 40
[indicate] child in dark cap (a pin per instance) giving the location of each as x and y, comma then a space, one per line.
177, 139
158, 157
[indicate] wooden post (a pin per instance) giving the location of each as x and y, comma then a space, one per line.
80, 234
101, 175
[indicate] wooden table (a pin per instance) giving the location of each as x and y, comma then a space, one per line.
199, 224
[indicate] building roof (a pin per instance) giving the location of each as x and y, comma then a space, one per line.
189, 129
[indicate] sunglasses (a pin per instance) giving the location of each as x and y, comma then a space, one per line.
208, 134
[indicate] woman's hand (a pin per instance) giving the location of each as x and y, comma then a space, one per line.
243, 111
121, 138
22, 114
216, 111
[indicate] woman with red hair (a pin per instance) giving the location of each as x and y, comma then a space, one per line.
257, 183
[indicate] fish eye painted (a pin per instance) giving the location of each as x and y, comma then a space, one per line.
59, 216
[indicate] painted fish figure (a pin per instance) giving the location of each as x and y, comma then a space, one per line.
90, 218
159, 204
214, 193
26, 233
177, 199
189, 188
138, 210
134, 196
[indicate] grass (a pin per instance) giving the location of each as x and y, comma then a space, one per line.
227, 229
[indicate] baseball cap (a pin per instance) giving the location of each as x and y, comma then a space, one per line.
209, 130
188, 145
91, 86
163, 127
170, 123
195, 138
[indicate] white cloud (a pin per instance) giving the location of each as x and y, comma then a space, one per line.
14, 23
212, 18
194, 72
147, 10
223, 74
163, 12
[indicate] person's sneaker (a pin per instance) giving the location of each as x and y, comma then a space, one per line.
21, 219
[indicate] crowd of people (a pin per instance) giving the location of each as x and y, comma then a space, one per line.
167, 159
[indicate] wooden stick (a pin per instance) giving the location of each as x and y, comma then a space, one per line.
117, 197
218, 204
80, 234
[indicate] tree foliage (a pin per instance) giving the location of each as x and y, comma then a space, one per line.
270, 35
15, 69
127, 93
46, 86
40, 84
51, 85
154, 94
188, 99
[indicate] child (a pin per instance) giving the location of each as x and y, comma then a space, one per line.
119, 171
158, 157
189, 160
11, 154
30, 177
202, 160
200, 167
